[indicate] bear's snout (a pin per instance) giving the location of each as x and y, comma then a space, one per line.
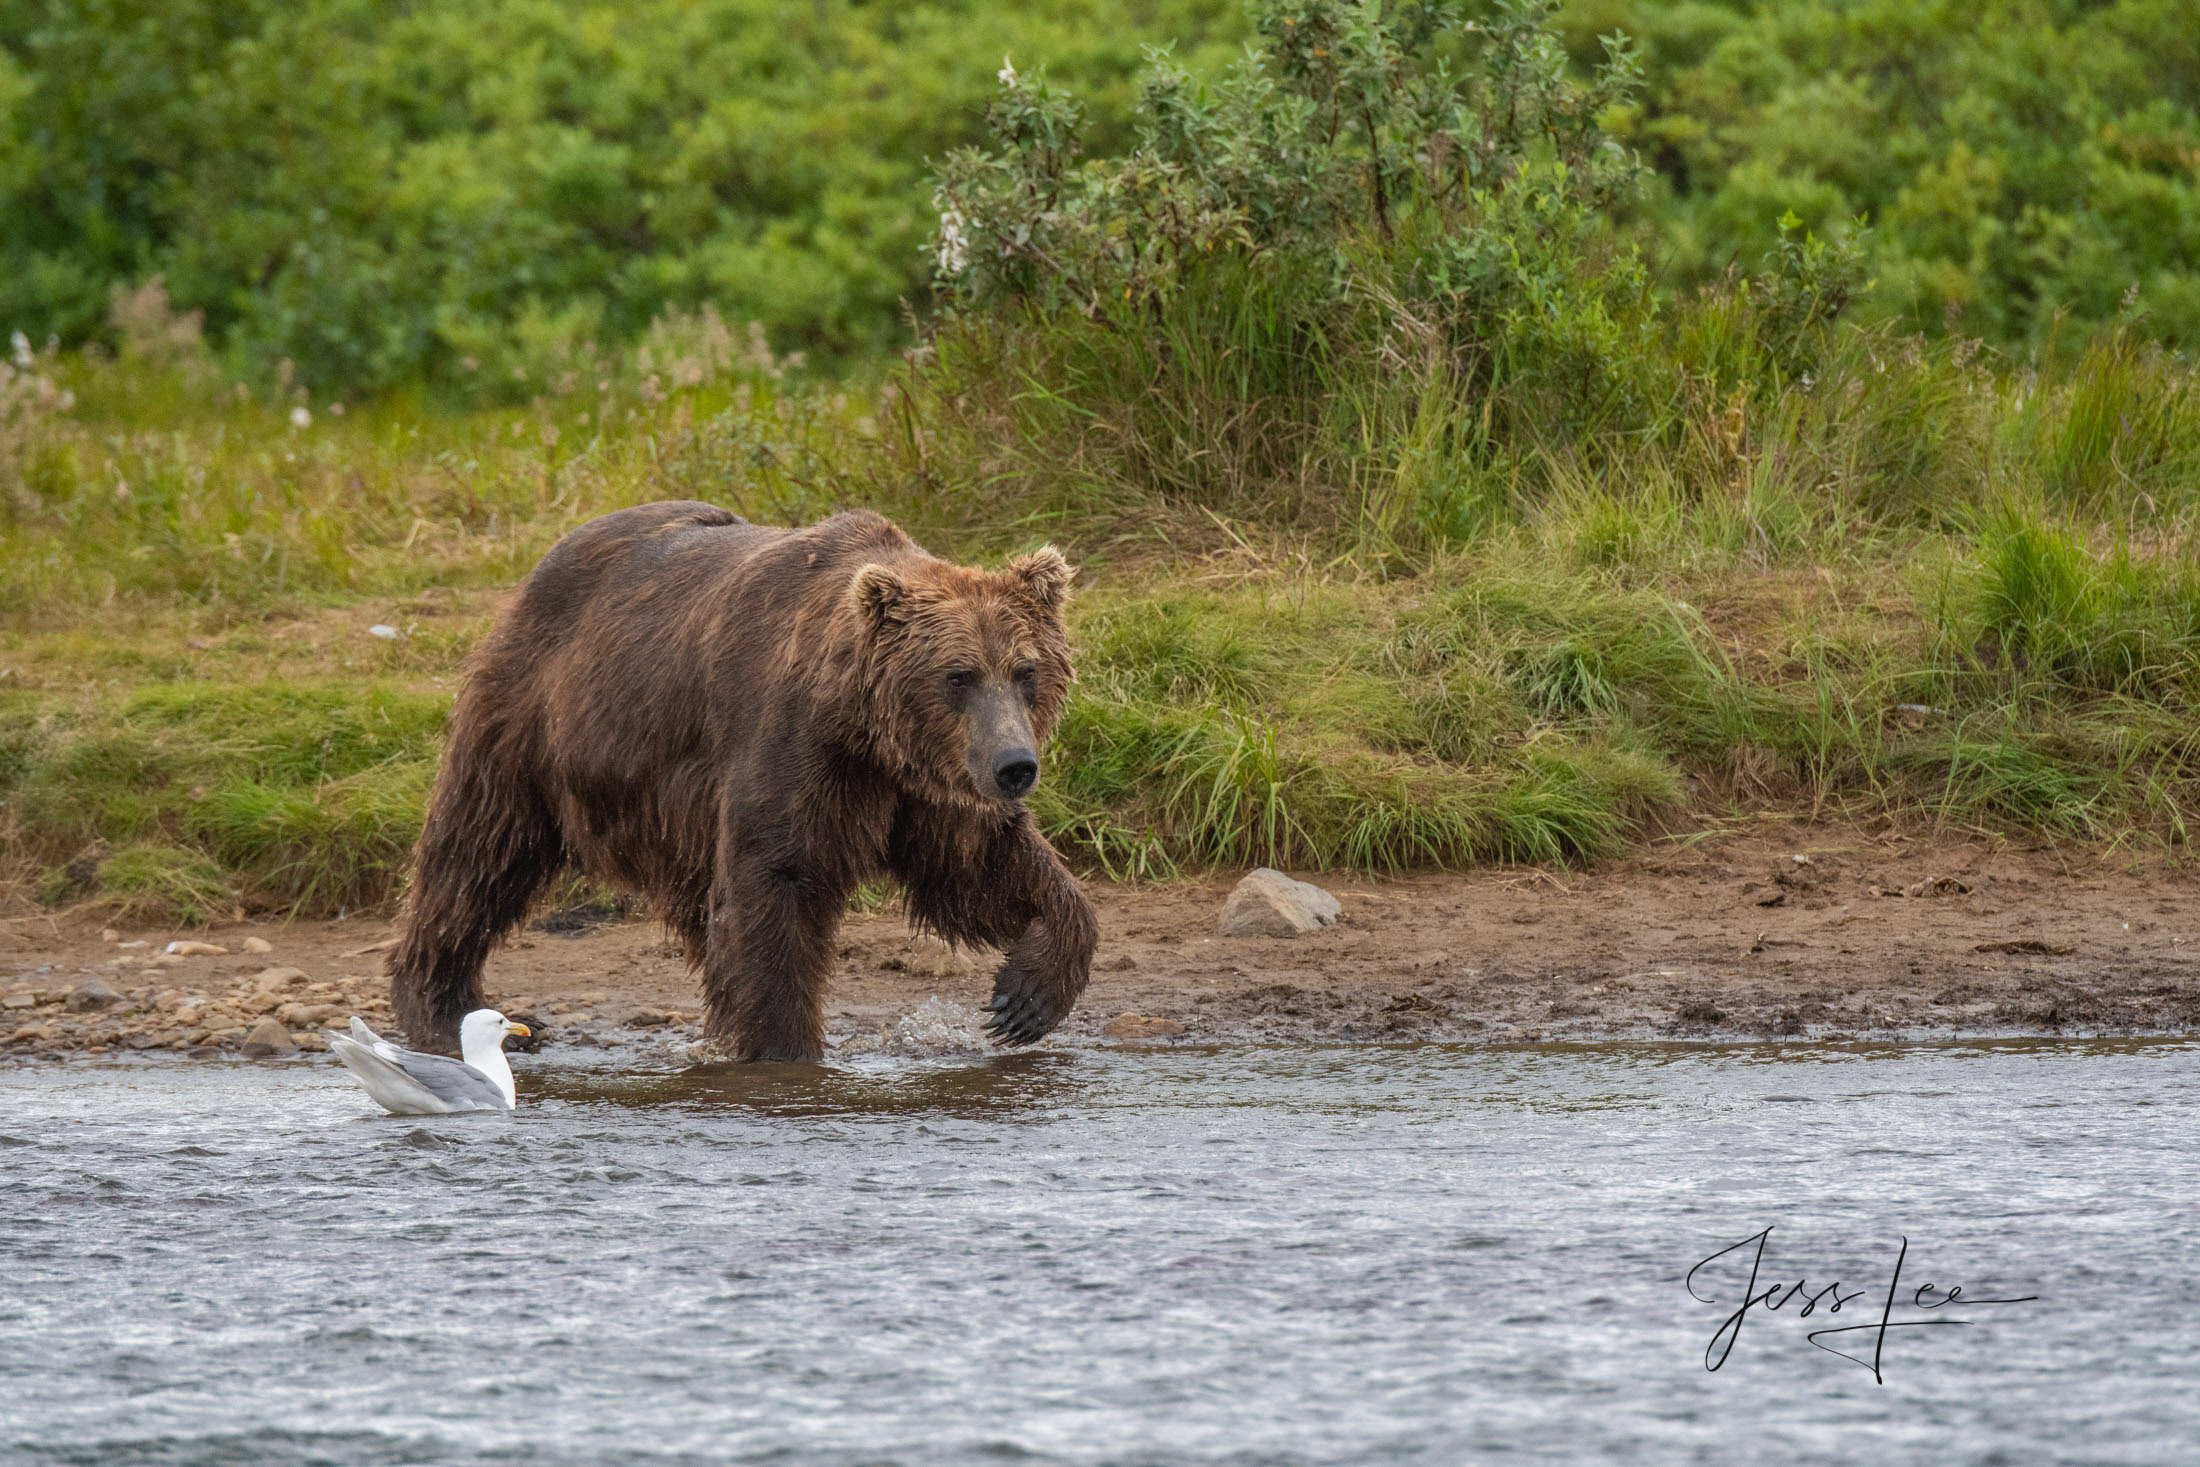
1015, 771
1003, 753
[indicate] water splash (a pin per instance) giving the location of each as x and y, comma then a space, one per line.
933, 1029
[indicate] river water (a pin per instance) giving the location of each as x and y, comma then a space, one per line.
1234, 1255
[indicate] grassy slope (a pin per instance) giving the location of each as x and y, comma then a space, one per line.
1418, 527
193, 716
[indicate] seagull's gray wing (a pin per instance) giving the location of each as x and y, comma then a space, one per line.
407, 1083
454, 1082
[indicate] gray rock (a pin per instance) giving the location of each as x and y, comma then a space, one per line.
268, 1037
1270, 904
90, 994
276, 980
310, 1015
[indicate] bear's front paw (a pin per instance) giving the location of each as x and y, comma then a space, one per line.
1022, 1018
1024, 1010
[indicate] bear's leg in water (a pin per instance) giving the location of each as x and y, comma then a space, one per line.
769, 953
1018, 896
487, 848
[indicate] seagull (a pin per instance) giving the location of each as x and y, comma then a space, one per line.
409, 1083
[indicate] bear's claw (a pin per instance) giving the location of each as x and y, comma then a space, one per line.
1018, 1019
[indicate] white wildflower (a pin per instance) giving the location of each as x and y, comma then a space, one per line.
1007, 74
20, 345
300, 418
954, 251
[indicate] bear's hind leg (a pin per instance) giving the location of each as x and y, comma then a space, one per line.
770, 951
482, 857
686, 916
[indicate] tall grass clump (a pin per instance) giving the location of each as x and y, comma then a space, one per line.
2119, 434
1142, 792
2037, 609
2060, 681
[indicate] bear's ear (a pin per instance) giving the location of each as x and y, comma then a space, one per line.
1045, 575
880, 595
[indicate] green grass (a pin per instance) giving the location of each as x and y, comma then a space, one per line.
1614, 658
195, 799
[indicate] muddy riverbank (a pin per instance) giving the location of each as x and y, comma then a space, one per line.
1816, 933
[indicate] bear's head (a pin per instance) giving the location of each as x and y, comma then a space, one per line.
963, 671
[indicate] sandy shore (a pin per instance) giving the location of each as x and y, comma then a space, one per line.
1815, 933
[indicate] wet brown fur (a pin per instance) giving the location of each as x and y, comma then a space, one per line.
741, 723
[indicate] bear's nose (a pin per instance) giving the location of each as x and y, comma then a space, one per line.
1015, 771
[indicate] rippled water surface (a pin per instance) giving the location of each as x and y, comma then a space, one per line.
1232, 1255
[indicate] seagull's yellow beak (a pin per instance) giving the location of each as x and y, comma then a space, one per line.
514, 1026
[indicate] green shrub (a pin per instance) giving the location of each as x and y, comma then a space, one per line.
377, 194
2026, 166
382, 195
1341, 237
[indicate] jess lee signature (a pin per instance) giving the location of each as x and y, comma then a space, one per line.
1830, 1298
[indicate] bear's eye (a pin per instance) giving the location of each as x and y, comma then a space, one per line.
1027, 677
959, 681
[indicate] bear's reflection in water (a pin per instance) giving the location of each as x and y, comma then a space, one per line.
991, 1085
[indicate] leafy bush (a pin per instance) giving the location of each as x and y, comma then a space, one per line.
375, 193
2027, 167
378, 193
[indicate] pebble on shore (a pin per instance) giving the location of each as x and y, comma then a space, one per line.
138, 1003
134, 1004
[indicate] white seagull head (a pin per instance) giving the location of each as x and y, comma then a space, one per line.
486, 1029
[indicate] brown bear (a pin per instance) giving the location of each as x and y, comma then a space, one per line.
740, 723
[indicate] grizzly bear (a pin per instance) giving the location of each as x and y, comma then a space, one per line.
741, 723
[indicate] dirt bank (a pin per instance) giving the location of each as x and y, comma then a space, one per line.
1816, 933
